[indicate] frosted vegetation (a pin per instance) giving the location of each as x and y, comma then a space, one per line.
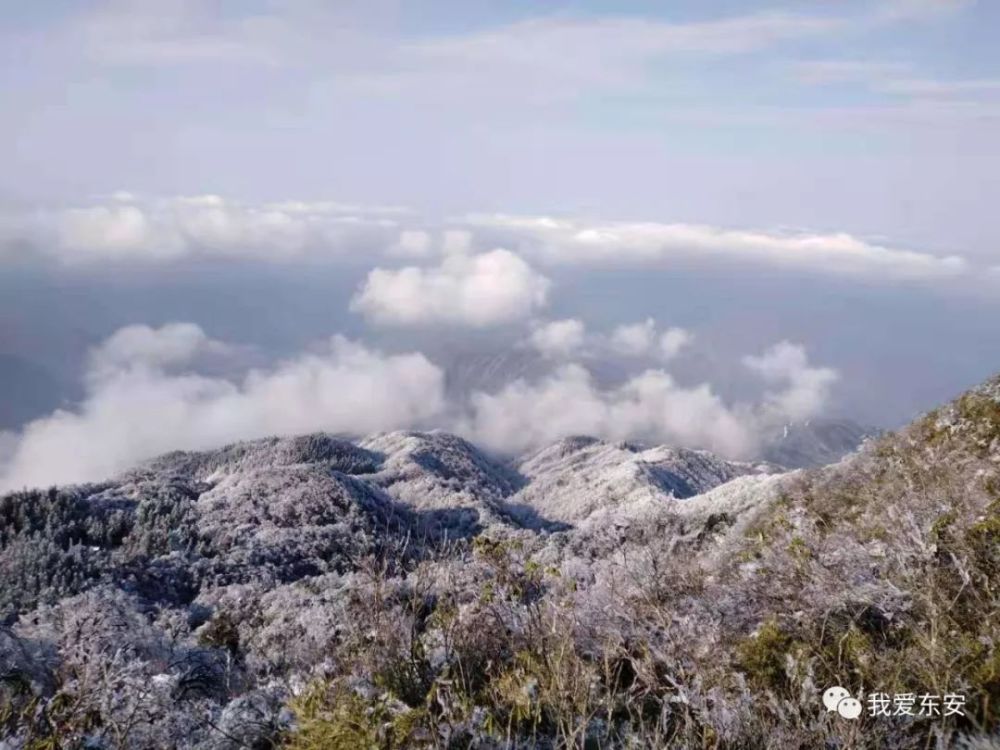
408, 590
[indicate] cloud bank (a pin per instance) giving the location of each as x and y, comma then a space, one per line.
578, 242
143, 231
135, 408
650, 406
145, 396
128, 228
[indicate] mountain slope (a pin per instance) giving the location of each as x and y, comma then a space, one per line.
578, 476
440, 472
411, 591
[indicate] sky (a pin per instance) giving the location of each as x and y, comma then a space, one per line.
694, 219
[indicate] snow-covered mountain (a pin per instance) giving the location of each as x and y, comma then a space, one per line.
444, 476
433, 479
411, 590
577, 476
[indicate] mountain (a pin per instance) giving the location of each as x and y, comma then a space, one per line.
578, 476
488, 369
442, 473
816, 442
411, 590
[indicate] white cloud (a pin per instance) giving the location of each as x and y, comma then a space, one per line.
821, 72
136, 32
136, 230
563, 339
901, 10
412, 243
931, 87
456, 242
554, 57
129, 228
134, 409
576, 242
558, 338
131, 32
673, 341
602, 49
469, 290
643, 340
334, 208
806, 388
143, 346
898, 79
650, 406
115, 231
635, 340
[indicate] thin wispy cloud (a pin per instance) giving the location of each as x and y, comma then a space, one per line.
568, 56
904, 10
136, 32
822, 72
898, 79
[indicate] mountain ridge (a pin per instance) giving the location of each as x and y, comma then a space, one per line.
409, 590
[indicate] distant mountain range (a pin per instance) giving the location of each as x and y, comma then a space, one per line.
816, 442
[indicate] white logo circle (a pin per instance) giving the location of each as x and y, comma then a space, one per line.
849, 708
833, 696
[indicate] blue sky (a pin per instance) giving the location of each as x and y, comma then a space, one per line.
803, 193
873, 117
